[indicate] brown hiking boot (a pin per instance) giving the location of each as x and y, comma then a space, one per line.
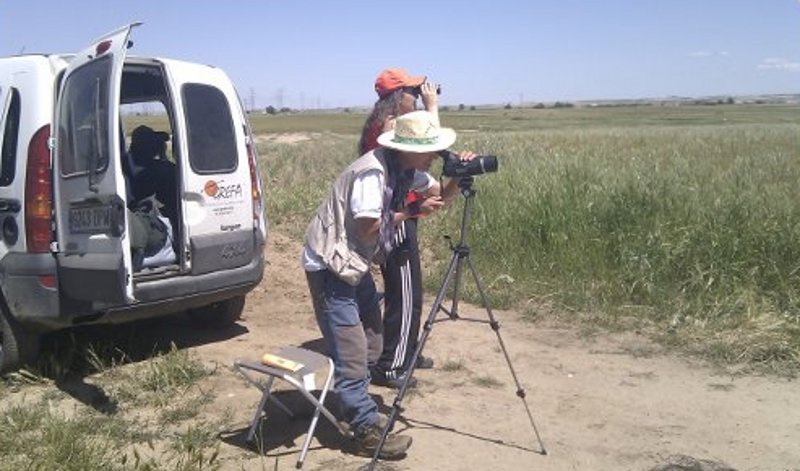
367, 441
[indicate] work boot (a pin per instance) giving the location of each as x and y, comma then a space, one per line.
380, 379
424, 363
367, 440
383, 420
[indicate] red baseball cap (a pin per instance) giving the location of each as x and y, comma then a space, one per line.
392, 79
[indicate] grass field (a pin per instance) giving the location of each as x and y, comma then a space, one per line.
680, 221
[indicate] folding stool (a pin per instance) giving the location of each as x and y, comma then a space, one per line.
303, 380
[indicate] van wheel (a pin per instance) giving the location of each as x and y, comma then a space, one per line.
220, 313
17, 346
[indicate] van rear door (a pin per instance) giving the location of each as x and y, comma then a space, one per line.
94, 260
217, 188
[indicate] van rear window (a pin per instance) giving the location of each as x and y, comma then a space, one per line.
10, 137
83, 119
212, 142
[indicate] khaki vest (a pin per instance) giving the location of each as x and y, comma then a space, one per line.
332, 232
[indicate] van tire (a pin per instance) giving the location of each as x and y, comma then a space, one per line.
18, 347
219, 314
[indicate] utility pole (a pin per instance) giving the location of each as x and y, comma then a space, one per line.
279, 98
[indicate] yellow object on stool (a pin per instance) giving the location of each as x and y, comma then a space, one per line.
271, 359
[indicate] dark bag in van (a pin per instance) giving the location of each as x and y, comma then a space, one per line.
148, 232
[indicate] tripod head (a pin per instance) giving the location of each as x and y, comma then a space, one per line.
465, 185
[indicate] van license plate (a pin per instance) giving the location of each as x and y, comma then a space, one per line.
90, 219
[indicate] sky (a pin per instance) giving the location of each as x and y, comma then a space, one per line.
326, 53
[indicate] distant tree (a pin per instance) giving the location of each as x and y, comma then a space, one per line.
286, 109
461, 107
508, 106
472, 108
538, 106
271, 110
730, 100
445, 108
347, 110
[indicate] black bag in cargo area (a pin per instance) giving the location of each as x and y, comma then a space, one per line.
149, 232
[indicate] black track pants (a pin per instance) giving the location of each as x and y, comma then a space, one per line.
402, 278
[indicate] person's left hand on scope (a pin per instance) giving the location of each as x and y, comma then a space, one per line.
465, 155
449, 185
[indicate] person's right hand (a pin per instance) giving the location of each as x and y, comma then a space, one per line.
430, 204
430, 99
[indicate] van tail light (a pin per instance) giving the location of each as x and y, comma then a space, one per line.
38, 193
255, 188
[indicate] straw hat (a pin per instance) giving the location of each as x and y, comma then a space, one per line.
418, 132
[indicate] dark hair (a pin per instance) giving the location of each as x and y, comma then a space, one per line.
147, 144
387, 106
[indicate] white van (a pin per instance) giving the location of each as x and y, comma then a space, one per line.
68, 219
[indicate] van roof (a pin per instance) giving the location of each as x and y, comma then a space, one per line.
63, 56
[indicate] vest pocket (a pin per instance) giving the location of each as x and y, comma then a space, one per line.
347, 264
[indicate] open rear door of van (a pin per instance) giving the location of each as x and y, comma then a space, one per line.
218, 189
94, 259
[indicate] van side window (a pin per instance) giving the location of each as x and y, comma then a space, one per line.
83, 120
10, 135
212, 143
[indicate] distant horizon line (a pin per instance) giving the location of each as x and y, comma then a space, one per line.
751, 98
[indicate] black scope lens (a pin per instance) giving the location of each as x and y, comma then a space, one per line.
453, 167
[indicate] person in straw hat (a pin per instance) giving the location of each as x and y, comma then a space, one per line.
398, 93
351, 228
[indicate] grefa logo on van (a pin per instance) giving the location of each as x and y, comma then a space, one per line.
218, 190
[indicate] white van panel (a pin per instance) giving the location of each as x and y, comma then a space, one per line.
217, 197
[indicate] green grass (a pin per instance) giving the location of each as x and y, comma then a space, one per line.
678, 220
694, 229
39, 434
527, 119
160, 380
34, 436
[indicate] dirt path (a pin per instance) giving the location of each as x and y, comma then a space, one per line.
610, 402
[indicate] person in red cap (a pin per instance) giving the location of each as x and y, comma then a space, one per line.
398, 93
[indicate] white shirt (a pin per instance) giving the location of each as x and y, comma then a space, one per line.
366, 201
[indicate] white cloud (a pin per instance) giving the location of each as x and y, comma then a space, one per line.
778, 63
703, 54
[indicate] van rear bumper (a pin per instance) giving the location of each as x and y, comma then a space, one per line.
166, 296
41, 309
25, 296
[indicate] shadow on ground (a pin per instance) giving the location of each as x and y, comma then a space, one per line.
69, 356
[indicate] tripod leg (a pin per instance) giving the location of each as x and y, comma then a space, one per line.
496, 328
454, 267
453, 312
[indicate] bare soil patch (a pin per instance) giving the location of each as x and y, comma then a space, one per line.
284, 138
603, 402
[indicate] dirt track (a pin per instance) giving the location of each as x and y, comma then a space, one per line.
608, 402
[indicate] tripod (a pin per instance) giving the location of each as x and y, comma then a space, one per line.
461, 254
